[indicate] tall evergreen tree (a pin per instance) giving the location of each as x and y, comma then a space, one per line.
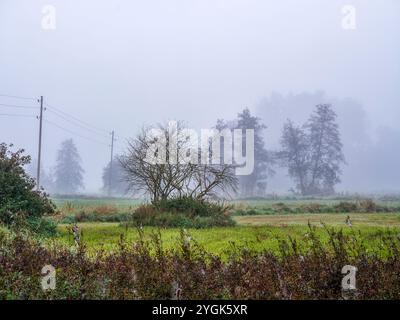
255, 183
326, 150
295, 154
116, 176
68, 171
313, 153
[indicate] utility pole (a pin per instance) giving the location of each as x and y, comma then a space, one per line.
40, 143
111, 164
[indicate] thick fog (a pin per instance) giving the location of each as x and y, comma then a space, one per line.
119, 65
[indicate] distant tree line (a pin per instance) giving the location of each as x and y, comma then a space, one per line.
311, 153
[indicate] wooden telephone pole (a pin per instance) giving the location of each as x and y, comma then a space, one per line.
111, 164
40, 143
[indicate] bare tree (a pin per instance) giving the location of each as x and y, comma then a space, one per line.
168, 164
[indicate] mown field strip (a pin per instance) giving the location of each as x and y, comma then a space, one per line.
357, 219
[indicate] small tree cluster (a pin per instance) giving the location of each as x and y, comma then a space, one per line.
254, 184
114, 183
313, 152
181, 174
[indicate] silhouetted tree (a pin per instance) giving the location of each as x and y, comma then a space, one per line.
118, 186
255, 183
326, 150
68, 171
313, 153
295, 154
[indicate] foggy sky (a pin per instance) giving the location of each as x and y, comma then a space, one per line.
122, 64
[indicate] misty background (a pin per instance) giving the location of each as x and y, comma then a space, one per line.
123, 64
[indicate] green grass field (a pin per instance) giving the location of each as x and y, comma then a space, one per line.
255, 232
79, 204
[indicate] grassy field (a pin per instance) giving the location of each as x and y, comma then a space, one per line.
74, 205
259, 231
258, 258
255, 232
360, 220
297, 202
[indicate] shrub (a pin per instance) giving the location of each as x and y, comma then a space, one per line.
346, 206
281, 207
182, 212
42, 226
190, 206
18, 199
368, 205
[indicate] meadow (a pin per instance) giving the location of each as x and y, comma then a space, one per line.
260, 230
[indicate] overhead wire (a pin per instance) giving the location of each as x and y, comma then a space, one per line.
17, 106
60, 114
75, 118
74, 133
17, 97
18, 115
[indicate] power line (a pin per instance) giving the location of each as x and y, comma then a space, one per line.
74, 133
64, 116
17, 106
16, 97
76, 123
18, 115
76, 119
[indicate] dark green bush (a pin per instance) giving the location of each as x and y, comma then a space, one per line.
191, 206
42, 226
182, 212
346, 206
19, 200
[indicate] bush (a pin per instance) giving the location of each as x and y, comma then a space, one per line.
368, 205
18, 199
345, 206
182, 212
190, 206
42, 226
